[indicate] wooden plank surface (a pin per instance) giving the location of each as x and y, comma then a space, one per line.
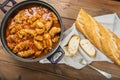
16, 72
68, 9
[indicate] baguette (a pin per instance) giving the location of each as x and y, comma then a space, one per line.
88, 47
105, 40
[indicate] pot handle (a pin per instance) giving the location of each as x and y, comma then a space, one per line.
5, 3
59, 53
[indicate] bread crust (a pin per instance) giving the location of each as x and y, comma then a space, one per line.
105, 40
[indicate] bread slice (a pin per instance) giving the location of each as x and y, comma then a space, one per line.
73, 45
88, 47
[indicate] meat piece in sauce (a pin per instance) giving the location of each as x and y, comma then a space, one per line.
55, 39
38, 24
40, 31
26, 53
43, 20
47, 41
54, 31
19, 18
32, 19
26, 32
13, 38
39, 45
38, 38
15, 28
48, 25
22, 46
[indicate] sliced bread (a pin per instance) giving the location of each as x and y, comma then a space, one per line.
88, 47
73, 45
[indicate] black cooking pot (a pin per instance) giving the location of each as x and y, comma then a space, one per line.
11, 12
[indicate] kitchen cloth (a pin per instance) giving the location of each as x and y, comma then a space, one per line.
110, 21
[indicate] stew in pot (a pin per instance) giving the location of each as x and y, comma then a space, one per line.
33, 32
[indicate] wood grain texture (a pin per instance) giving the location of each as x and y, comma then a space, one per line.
15, 73
70, 8
13, 69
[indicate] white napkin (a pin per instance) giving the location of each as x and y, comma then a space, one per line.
110, 21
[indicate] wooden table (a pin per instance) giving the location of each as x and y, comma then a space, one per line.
13, 69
